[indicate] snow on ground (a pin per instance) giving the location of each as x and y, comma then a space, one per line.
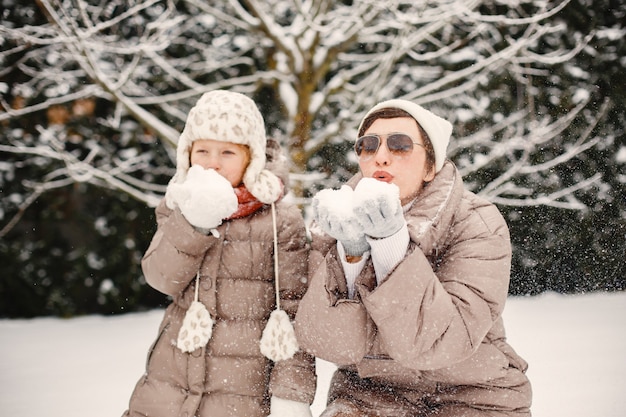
88, 366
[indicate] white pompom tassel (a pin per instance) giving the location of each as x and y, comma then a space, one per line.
279, 338
197, 325
278, 341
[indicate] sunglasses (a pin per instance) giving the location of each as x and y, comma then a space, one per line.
398, 144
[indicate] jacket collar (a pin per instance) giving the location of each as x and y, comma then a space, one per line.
431, 213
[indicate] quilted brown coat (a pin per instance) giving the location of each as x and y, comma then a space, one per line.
230, 376
430, 339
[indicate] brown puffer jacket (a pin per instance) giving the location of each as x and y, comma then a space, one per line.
430, 338
230, 376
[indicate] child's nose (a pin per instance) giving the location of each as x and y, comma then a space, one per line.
213, 161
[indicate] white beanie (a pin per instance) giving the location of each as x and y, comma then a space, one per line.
229, 117
437, 128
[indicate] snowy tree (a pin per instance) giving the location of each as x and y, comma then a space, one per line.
95, 92
323, 63
569, 250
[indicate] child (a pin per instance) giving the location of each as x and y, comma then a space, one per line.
231, 255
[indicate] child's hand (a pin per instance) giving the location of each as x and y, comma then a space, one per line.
205, 198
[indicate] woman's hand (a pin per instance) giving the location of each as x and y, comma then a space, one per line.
333, 213
377, 207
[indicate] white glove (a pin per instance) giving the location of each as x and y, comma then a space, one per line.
377, 207
287, 408
333, 213
205, 198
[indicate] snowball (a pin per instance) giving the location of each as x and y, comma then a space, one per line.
208, 198
335, 210
338, 202
371, 189
377, 207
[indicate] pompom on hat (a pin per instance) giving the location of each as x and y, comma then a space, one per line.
437, 128
228, 116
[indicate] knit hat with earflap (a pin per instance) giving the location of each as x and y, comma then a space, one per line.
229, 117
438, 129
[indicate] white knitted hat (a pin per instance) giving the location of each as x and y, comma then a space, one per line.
229, 117
437, 128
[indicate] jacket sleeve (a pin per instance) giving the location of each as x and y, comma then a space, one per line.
329, 325
293, 379
175, 252
433, 319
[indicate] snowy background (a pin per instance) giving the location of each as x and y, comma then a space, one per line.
88, 366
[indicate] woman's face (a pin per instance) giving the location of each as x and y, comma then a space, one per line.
228, 159
407, 170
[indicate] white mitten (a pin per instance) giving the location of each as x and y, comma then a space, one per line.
196, 329
278, 341
377, 207
333, 212
205, 198
280, 407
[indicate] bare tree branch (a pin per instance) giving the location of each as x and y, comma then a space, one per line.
325, 63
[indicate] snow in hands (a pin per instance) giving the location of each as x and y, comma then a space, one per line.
373, 208
377, 207
334, 212
205, 197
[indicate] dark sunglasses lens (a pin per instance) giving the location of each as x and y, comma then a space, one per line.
367, 145
399, 143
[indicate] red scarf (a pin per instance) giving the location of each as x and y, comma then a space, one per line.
248, 204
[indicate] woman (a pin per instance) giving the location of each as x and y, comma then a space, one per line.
409, 278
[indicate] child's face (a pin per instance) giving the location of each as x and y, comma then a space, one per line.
230, 160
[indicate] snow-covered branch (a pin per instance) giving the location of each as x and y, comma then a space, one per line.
315, 66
